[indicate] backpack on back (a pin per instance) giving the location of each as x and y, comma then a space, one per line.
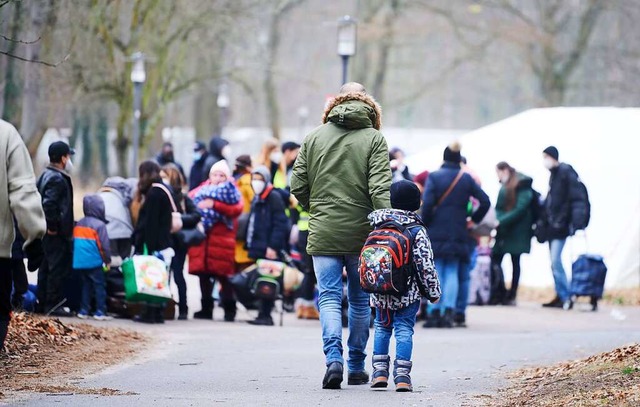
580, 205
386, 261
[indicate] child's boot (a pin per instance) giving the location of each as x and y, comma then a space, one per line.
380, 376
401, 375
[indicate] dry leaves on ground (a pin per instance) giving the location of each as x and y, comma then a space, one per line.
606, 379
43, 354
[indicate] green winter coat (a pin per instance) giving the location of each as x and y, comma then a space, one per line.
514, 232
342, 174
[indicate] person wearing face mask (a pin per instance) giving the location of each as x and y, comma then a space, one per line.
566, 209
267, 231
56, 190
515, 217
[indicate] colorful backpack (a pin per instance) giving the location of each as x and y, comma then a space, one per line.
386, 261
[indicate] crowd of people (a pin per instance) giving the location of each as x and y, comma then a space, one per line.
316, 203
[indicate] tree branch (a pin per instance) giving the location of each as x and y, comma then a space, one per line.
20, 41
35, 61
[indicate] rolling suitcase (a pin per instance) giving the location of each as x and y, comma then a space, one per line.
588, 274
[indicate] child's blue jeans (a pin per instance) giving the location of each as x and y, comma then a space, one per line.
93, 282
402, 322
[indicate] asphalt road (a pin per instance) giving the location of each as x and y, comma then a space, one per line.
198, 363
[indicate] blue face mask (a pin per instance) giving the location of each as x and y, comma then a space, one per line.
197, 155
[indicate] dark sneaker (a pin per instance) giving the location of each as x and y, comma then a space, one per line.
357, 378
460, 320
333, 376
433, 320
262, 321
555, 303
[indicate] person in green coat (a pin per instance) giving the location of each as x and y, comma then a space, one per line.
514, 233
342, 174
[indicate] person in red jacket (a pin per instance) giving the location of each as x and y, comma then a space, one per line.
213, 259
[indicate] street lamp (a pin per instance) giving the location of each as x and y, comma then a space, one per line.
138, 77
223, 101
347, 38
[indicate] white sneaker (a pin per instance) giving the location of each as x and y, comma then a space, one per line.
82, 316
101, 317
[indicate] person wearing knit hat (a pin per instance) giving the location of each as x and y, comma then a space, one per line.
566, 210
398, 313
221, 168
452, 153
405, 195
267, 230
220, 204
444, 211
551, 157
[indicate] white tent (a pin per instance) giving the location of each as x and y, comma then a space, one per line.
602, 144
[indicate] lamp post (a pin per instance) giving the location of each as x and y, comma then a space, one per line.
138, 77
347, 39
223, 101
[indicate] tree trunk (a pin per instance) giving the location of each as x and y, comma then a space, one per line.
271, 98
11, 93
32, 119
122, 144
102, 137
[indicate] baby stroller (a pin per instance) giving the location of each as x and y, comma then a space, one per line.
269, 280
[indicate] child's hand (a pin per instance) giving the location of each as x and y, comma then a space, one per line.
206, 204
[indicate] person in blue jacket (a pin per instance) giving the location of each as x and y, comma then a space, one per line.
92, 256
446, 198
268, 229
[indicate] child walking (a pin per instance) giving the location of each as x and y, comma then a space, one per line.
91, 256
398, 313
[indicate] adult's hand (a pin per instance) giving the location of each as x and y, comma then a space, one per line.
206, 204
35, 254
271, 254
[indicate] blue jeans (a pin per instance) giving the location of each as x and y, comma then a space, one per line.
328, 271
448, 270
559, 275
93, 282
464, 280
402, 322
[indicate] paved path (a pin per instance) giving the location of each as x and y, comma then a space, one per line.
198, 363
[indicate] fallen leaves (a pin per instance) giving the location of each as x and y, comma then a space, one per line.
43, 354
605, 379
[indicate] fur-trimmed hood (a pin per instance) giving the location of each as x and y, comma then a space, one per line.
354, 110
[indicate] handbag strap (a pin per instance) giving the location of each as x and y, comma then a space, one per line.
166, 191
453, 185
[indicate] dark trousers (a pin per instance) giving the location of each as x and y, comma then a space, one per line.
54, 271
177, 269
308, 286
227, 297
499, 291
93, 286
5, 289
19, 275
265, 308
121, 247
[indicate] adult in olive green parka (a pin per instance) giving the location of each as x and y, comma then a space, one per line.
342, 174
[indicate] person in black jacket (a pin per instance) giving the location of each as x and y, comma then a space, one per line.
190, 218
153, 229
56, 190
166, 156
202, 163
560, 220
268, 229
445, 212
399, 170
